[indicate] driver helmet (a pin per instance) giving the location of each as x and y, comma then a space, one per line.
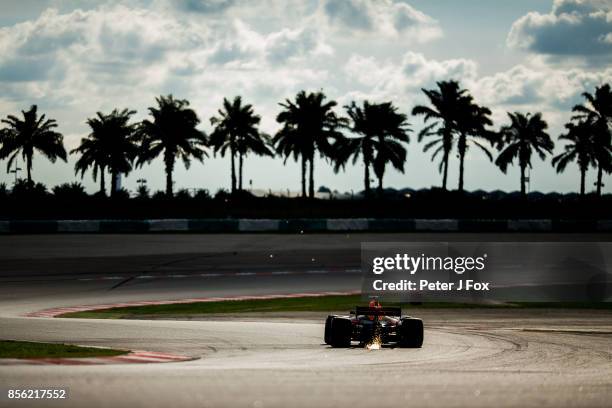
374, 304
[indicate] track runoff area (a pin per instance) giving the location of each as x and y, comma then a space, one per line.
501, 353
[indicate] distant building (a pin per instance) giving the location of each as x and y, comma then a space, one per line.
258, 192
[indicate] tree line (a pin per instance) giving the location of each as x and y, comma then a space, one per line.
376, 134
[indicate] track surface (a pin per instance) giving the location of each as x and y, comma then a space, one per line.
470, 357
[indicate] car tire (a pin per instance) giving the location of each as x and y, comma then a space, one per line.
340, 332
411, 332
327, 335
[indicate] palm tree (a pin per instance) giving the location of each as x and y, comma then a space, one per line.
525, 134
257, 143
471, 126
381, 130
309, 124
580, 148
236, 130
32, 133
598, 110
288, 142
445, 102
92, 155
173, 133
112, 145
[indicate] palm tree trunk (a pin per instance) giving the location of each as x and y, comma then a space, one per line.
303, 176
29, 168
461, 157
445, 171
582, 180
102, 182
523, 193
311, 186
169, 182
380, 186
113, 182
240, 171
599, 180
447, 144
233, 170
366, 178
462, 147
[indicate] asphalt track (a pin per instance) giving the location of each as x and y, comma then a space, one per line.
470, 357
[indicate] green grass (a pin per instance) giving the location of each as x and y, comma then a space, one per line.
303, 304
26, 349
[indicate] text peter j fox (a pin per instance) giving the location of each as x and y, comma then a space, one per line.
425, 285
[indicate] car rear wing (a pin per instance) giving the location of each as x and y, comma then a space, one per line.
381, 311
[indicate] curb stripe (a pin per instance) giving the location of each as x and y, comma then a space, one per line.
141, 357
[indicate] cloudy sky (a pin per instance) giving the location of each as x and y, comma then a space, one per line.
73, 58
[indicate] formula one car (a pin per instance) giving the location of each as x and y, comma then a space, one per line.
374, 324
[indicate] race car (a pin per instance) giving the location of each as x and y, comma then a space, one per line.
374, 324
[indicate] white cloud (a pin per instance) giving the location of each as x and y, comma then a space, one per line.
289, 43
534, 86
100, 42
385, 17
413, 72
120, 56
550, 87
579, 28
606, 38
98, 56
244, 46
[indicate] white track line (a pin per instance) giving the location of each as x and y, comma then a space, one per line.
216, 275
